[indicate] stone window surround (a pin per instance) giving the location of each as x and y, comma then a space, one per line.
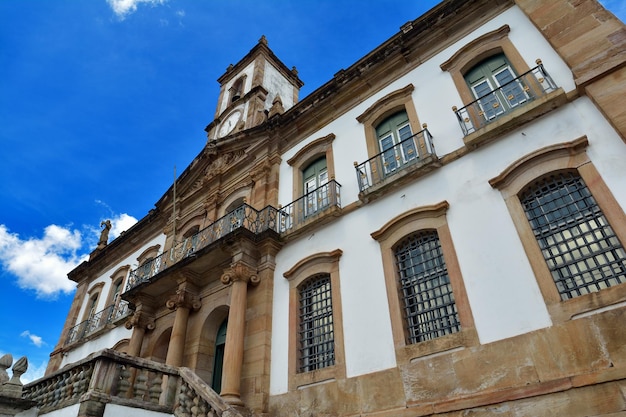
150, 253
558, 157
308, 154
94, 292
238, 86
479, 49
120, 274
243, 193
328, 263
388, 105
196, 221
432, 217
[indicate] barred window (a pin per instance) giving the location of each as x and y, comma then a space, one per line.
582, 252
429, 307
316, 333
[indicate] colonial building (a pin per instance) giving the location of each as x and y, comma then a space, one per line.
437, 230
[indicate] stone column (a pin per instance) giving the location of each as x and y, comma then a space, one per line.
239, 274
184, 301
140, 321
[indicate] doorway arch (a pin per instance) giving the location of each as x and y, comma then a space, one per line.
218, 357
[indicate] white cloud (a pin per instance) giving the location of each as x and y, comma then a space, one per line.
121, 223
36, 340
123, 8
41, 264
34, 372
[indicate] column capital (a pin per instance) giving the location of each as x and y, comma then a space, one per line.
184, 298
140, 319
240, 271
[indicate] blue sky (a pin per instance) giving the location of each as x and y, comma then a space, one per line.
101, 99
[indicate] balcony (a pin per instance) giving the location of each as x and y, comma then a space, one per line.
243, 217
316, 204
109, 315
524, 98
408, 159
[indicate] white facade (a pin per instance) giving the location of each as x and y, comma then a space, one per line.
502, 290
103, 284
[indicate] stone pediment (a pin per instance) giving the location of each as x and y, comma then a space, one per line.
221, 161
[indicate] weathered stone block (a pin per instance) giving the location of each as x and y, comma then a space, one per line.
381, 391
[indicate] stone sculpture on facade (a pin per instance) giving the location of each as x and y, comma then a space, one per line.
104, 235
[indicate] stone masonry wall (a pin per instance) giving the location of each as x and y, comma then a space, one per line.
577, 368
593, 43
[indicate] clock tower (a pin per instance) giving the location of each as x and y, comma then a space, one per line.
257, 86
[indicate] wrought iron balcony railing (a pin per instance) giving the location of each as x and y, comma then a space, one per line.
393, 160
504, 99
310, 205
96, 322
242, 217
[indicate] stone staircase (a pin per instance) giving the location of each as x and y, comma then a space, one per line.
110, 377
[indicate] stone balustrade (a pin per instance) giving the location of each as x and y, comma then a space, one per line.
108, 376
11, 401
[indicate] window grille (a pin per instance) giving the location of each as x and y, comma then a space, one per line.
578, 244
429, 307
317, 344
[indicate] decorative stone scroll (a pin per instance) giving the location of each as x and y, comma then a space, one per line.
239, 271
184, 298
140, 319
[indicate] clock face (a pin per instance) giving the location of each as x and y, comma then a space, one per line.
229, 124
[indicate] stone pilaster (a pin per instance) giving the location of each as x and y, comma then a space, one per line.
56, 356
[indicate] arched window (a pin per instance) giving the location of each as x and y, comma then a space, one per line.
316, 348
315, 180
147, 266
92, 306
92, 318
146, 270
571, 227
581, 249
428, 303
396, 141
495, 85
236, 91
316, 340
116, 291
218, 360
424, 286
236, 211
190, 239
118, 307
